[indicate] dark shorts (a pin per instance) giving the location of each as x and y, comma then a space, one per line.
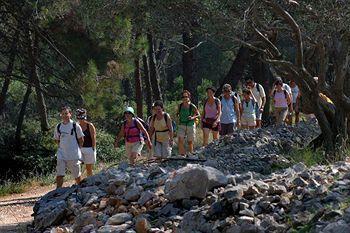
208, 124
226, 129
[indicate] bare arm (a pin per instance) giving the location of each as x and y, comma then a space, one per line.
144, 131
81, 141
170, 127
238, 111
119, 136
92, 130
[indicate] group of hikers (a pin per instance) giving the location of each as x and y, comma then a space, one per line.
219, 116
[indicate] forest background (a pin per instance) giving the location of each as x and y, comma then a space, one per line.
106, 54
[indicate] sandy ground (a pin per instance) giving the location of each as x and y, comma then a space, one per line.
16, 209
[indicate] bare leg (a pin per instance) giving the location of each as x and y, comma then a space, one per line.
78, 180
296, 118
181, 146
132, 158
205, 136
89, 169
190, 146
59, 181
258, 123
215, 135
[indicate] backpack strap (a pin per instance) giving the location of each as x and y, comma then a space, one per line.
75, 131
258, 87
58, 129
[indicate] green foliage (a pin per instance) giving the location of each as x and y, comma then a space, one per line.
308, 156
202, 94
11, 188
105, 148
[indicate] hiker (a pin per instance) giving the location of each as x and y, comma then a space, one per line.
187, 113
281, 100
162, 128
230, 113
70, 138
295, 100
134, 134
88, 150
260, 97
248, 110
211, 116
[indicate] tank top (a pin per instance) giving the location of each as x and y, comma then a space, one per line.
210, 110
161, 129
248, 108
280, 99
132, 132
87, 137
184, 113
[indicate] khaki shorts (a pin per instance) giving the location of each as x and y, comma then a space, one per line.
188, 131
72, 165
162, 149
89, 155
133, 147
250, 122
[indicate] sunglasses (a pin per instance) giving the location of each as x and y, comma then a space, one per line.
127, 113
184, 97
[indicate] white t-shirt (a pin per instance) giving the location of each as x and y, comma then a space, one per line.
68, 148
287, 88
258, 94
295, 93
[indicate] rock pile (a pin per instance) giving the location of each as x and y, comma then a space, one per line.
198, 198
258, 150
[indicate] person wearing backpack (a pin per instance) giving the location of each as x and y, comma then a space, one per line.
70, 138
188, 114
88, 149
211, 116
248, 110
282, 101
230, 113
162, 129
260, 96
135, 134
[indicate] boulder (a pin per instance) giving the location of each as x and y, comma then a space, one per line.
193, 181
119, 219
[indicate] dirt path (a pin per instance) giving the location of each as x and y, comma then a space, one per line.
16, 209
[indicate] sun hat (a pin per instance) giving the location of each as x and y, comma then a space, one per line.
129, 109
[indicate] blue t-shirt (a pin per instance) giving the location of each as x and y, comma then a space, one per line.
228, 114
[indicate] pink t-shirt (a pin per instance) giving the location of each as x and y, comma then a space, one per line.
132, 132
210, 110
280, 99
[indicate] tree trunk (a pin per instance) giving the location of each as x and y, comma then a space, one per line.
138, 87
34, 77
236, 71
154, 74
262, 75
8, 73
190, 81
147, 83
21, 115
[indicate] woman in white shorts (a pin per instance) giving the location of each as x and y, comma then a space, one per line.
248, 111
88, 150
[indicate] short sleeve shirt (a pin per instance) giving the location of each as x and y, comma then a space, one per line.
259, 94
295, 93
68, 147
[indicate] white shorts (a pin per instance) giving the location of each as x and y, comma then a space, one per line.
162, 149
133, 147
89, 155
72, 165
248, 122
188, 131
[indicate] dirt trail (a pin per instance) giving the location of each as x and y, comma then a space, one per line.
16, 209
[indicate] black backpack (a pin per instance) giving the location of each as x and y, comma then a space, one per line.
74, 129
